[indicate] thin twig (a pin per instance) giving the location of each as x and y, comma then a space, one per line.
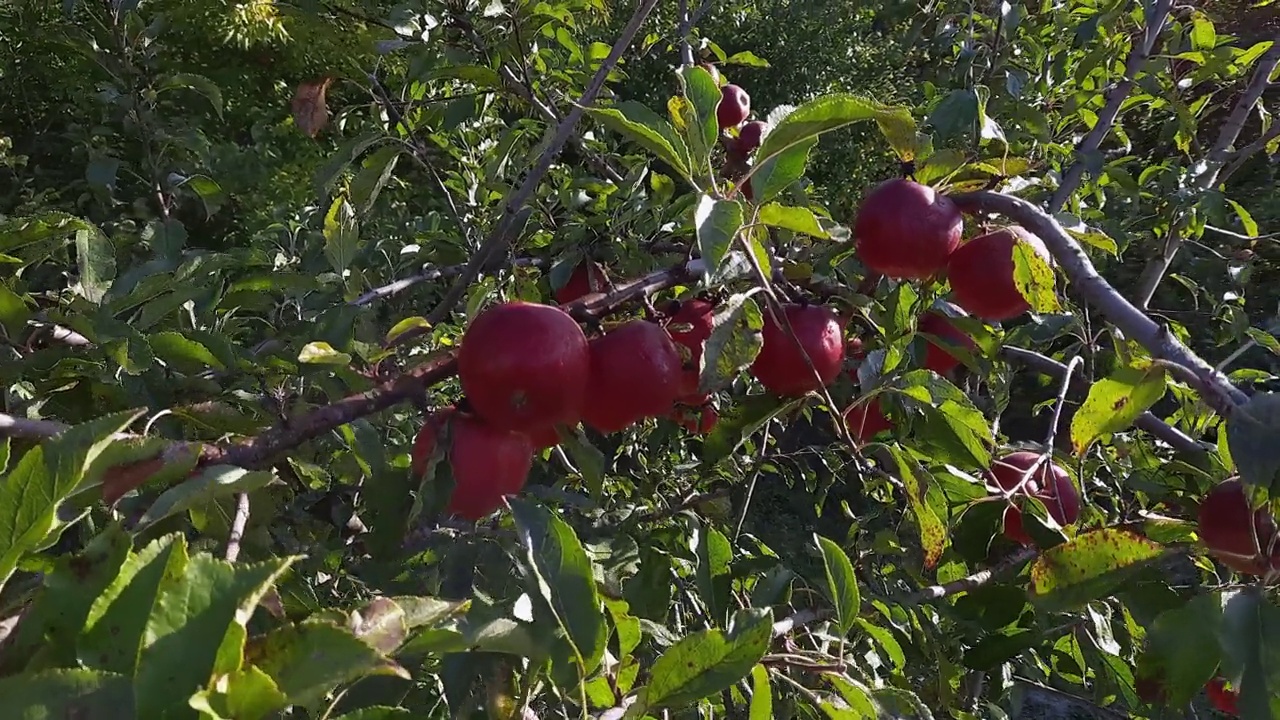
500, 238
1052, 437
974, 581
238, 523
1208, 175
686, 49
1115, 99
751, 485
429, 274
1213, 386
1241, 156
1147, 421
600, 164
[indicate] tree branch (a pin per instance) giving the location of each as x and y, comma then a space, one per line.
1241, 156
429, 274
1213, 386
238, 524
259, 451
549, 115
1115, 98
1146, 422
686, 49
500, 237
1207, 176
974, 581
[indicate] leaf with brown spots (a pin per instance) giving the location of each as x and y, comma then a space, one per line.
310, 112
1115, 402
1088, 567
172, 464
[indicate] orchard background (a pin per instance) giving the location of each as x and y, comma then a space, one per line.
241, 244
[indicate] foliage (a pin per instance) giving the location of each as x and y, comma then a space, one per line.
242, 241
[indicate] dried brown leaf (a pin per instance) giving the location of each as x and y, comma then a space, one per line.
310, 112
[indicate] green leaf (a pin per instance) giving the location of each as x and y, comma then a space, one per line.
247, 694
1088, 567
375, 172
416, 323
78, 694
772, 176
1203, 36
1264, 339
733, 344
1034, 279
796, 219
746, 57
586, 457
718, 222
197, 83
714, 553
116, 624
648, 130
842, 583
953, 427
96, 261
1096, 238
761, 694
706, 662
328, 174
322, 353
742, 421
182, 353
210, 483
857, 696
49, 628
1251, 436
703, 95
308, 660
1250, 640
830, 112
209, 192
341, 234
1182, 648
429, 611
1246, 220
14, 311
956, 114
46, 475
933, 533
191, 619
1115, 402
21, 232
562, 572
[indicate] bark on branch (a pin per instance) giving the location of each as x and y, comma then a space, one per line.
1142, 48
1212, 385
501, 236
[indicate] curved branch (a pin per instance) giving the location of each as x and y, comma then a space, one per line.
260, 451
500, 238
1147, 421
1213, 386
1115, 98
1212, 168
